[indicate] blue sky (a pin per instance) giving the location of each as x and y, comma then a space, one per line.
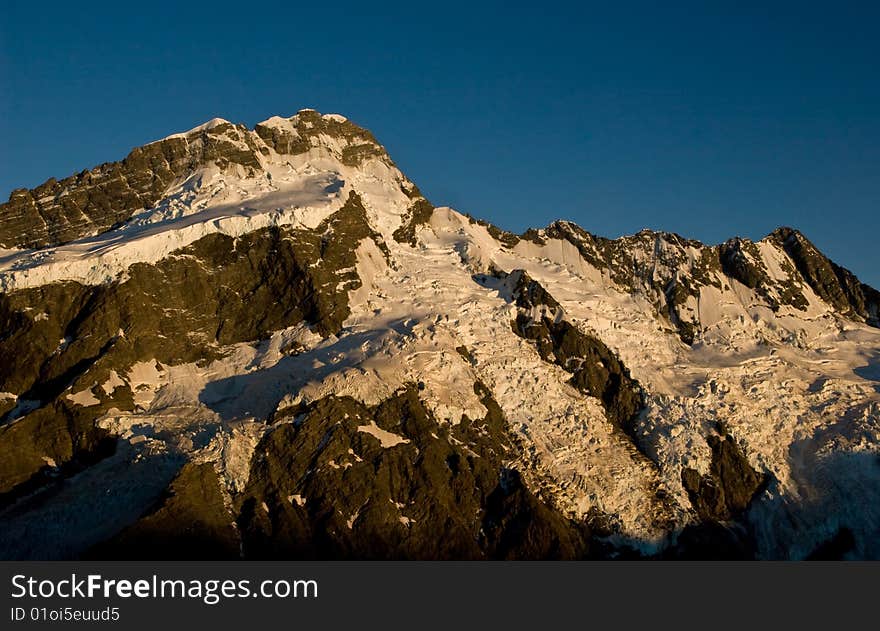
710, 119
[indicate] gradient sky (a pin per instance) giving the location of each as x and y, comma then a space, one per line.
710, 121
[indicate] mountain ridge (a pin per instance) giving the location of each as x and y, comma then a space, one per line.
291, 136
288, 327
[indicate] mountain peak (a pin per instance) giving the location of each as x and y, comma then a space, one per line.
206, 126
783, 233
281, 308
277, 149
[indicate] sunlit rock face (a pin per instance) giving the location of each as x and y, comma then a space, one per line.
268, 344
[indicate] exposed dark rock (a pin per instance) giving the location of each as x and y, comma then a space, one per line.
48, 445
728, 488
532, 236
94, 201
505, 238
712, 541
358, 143
519, 288
834, 284
668, 273
599, 252
741, 260
595, 369
720, 499
737, 264
440, 492
465, 353
418, 214
338, 479
836, 548
217, 291
519, 526
670, 270
190, 522
528, 293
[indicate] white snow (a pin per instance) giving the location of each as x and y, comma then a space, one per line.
798, 390
112, 383
299, 191
144, 378
386, 439
408, 318
104, 258
211, 124
84, 398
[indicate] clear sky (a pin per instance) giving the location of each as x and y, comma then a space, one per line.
711, 119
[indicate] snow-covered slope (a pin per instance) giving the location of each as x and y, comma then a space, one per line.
221, 196
663, 396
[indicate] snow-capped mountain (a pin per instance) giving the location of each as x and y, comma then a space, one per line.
267, 343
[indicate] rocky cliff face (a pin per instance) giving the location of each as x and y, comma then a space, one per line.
93, 201
834, 284
268, 343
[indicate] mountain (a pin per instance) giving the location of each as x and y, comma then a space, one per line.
267, 343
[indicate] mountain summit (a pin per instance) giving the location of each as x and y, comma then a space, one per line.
268, 343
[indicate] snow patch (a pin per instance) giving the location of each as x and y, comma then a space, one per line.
112, 383
84, 398
211, 124
385, 438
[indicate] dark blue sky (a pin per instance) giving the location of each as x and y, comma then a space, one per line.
711, 119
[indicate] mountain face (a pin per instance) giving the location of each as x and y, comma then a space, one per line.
268, 344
